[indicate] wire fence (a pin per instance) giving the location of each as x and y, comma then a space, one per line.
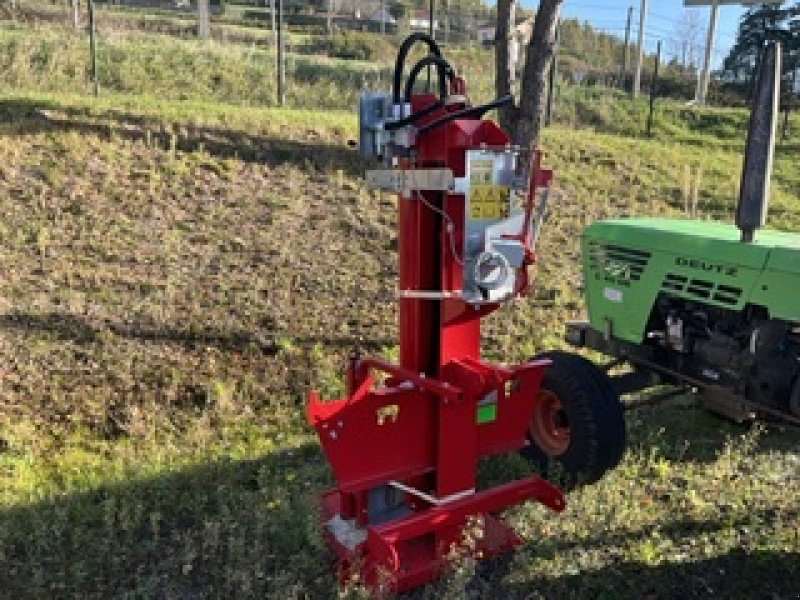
141, 49
144, 51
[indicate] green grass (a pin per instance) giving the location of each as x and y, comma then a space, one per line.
178, 273
56, 60
133, 60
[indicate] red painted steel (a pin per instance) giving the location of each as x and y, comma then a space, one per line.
405, 453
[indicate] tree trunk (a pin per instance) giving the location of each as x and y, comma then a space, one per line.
504, 61
524, 120
538, 59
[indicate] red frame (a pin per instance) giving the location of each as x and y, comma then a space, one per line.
420, 428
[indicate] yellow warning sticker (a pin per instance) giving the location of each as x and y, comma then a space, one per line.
489, 201
481, 172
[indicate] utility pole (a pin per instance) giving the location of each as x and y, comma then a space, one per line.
637, 76
702, 83
93, 47
653, 91
281, 58
383, 17
624, 74
272, 17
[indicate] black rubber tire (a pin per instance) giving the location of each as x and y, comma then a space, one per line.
595, 416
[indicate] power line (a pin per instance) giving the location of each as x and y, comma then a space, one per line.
604, 7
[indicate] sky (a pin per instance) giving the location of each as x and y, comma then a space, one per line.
664, 22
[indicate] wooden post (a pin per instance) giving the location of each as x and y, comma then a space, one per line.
789, 102
76, 17
93, 48
637, 76
281, 58
446, 18
625, 49
328, 17
203, 19
653, 91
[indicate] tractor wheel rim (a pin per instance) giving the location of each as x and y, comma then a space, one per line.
549, 427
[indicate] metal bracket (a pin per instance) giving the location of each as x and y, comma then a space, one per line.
406, 181
431, 499
429, 295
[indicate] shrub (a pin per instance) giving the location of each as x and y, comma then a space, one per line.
358, 46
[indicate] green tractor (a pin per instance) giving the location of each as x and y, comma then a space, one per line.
705, 306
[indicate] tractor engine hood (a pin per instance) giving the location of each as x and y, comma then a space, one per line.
772, 250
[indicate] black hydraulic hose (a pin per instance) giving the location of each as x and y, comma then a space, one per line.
465, 113
400, 63
445, 74
413, 118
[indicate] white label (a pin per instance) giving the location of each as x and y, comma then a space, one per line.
612, 294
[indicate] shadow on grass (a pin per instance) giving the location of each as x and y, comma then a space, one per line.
232, 529
250, 529
66, 326
29, 116
680, 528
678, 429
767, 575
681, 430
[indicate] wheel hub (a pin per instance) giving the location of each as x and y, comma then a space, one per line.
550, 425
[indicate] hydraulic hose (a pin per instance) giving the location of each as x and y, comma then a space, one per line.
465, 113
413, 118
444, 69
400, 64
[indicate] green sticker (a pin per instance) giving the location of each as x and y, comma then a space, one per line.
487, 413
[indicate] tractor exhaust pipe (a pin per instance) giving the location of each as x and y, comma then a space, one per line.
751, 212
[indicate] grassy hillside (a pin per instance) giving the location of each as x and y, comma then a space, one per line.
56, 60
180, 264
47, 57
177, 275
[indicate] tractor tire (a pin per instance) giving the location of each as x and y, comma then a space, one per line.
578, 424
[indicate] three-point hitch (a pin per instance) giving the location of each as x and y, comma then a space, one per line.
405, 453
